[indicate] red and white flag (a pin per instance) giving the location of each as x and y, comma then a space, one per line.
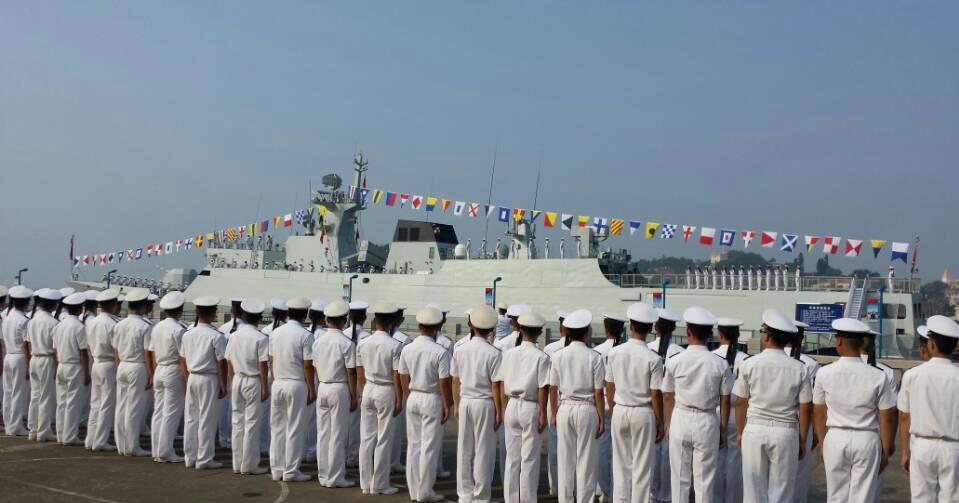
853, 247
830, 244
288, 220
86, 260
417, 202
474, 209
748, 237
811, 242
767, 239
706, 235
403, 199
688, 231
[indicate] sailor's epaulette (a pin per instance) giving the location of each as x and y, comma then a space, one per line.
748, 356
674, 354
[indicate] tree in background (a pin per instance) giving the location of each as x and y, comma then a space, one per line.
824, 269
935, 299
864, 273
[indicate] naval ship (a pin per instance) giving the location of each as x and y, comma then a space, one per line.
426, 263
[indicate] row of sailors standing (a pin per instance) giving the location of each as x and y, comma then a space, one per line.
771, 277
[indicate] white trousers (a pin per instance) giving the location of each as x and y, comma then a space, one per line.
309, 451
729, 469
224, 421
353, 436
577, 451
476, 447
662, 491
693, 453
634, 440
288, 428
604, 478
551, 470
804, 472
245, 412
43, 397
770, 461
399, 435
524, 444
933, 470
16, 394
851, 459
424, 432
168, 396
131, 390
376, 436
69, 403
265, 413
103, 401
200, 418
332, 428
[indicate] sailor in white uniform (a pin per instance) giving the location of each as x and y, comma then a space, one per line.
855, 417
291, 361
577, 374
146, 425
224, 421
335, 368
774, 399
523, 380
248, 357
16, 387
169, 386
424, 371
729, 471
399, 428
131, 337
551, 469
613, 326
43, 366
507, 343
443, 340
317, 328
103, 389
503, 326
811, 368
70, 347
664, 347
477, 407
634, 376
356, 332
202, 359
696, 382
3, 313
929, 417
89, 313
868, 355
923, 332
377, 363
279, 315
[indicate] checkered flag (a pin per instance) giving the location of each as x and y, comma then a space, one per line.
667, 231
300, 217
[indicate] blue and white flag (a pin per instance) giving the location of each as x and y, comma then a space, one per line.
139, 253
364, 194
789, 242
504, 214
600, 223
726, 237
900, 251
635, 225
667, 231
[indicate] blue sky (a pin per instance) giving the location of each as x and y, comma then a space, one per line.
130, 123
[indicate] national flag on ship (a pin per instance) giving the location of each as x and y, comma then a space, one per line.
567, 222
688, 231
706, 236
767, 239
748, 237
616, 227
458, 208
549, 219
877, 245
651, 228
830, 244
789, 242
726, 237
430, 203
504, 214
853, 247
900, 251
600, 223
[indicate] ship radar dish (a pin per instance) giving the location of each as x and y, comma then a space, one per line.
332, 181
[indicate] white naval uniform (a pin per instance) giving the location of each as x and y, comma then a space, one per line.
169, 388
551, 470
203, 348
425, 362
16, 388
775, 385
698, 378
604, 479
447, 343
246, 349
729, 470
147, 417
43, 403
635, 371
224, 426
379, 355
131, 336
353, 435
291, 346
890, 376
505, 343
333, 354
69, 342
265, 434
503, 326
577, 372
523, 372
853, 393
309, 452
928, 395
399, 422
103, 391
804, 470
662, 475
475, 363
87, 318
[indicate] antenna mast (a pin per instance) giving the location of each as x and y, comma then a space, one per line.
492, 175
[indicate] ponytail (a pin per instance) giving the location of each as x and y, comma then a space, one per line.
731, 334
236, 325
797, 346
871, 350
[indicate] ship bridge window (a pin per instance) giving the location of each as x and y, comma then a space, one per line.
402, 235
415, 234
894, 311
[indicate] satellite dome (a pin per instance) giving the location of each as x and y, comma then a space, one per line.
459, 252
332, 181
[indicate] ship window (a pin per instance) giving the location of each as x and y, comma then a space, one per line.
894, 311
415, 234
403, 234
432, 252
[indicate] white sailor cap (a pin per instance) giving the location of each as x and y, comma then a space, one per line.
336, 309
252, 306
943, 326
278, 303
531, 320
359, 305
699, 316
642, 313
800, 324
562, 314
301, 303
74, 299
172, 300
581, 318
91, 295
50, 294
317, 305
501, 305
777, 320
40, 292
152, 297
723, 321
517, 310
443, 308
851, 326
20, 292
3, 291
68, 291
483, 317
108, 295
923, 331
383, 308
206, 301
429, 316
614, 317
138, 295
666, 314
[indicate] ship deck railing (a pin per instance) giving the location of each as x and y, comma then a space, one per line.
807, 283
